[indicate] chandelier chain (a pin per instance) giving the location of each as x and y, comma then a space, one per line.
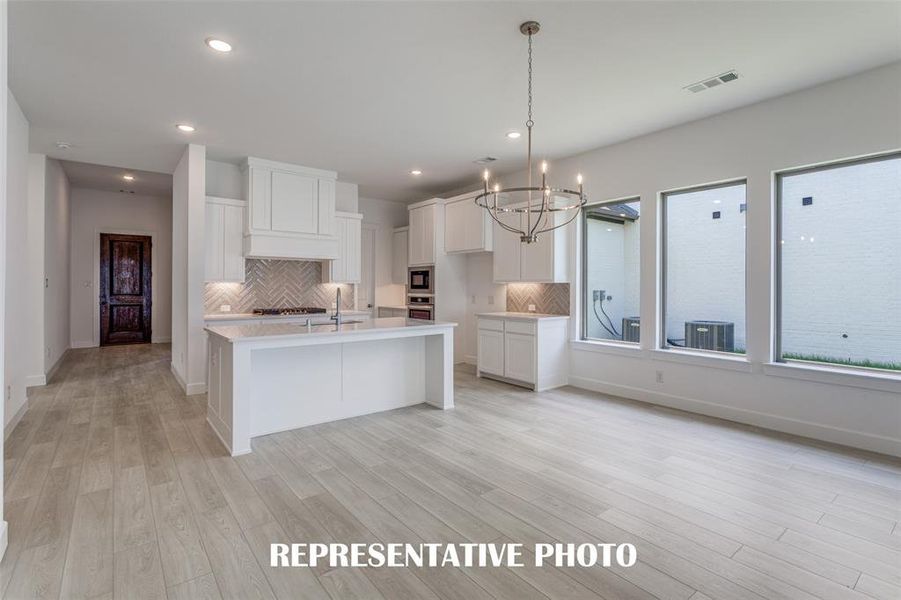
530, 122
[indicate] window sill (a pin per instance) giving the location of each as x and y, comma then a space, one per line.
886, 382
610, 347
703, 359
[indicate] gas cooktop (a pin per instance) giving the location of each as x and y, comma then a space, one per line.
291, 310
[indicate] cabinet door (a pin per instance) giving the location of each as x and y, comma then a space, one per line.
519, 357
414, 240
428, 234
326, 210
233, 243
399, 262
538, 258
213, 260
455, 227
338, 266
507, 249
295, 203
491, 352
260, 199
352, 254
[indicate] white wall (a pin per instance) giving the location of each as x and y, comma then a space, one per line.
57, 264
4, 538
224, 180
22, 344
385, 215
94, 212
188, 203
482, 295
845, 118
347, 197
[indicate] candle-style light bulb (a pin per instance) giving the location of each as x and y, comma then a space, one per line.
579, 179
486, 174
497, 188
543, 166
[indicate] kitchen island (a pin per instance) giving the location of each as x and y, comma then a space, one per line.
275, 376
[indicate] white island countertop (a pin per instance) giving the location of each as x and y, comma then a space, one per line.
225, 317
525, 316
248, 332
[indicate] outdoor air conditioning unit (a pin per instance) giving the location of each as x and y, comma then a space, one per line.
631, 329
710, 335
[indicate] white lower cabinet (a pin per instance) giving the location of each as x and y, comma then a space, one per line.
491, 351
527, 351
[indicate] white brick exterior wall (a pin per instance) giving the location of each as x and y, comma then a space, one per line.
841, 263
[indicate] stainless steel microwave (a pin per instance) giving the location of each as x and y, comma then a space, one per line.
420, 280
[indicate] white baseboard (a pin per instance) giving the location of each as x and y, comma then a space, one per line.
826, 433
181, 382
190, 389
160, 340
4, 538
83, 344
470, 359
195, 388
8, 429
50, 373
35, 380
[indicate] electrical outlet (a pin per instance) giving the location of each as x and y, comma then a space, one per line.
473, 299
48, 351
9, 392
531, 308
225, 308
659, 376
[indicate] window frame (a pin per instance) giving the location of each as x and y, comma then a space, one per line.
776, 349
583, 276
663, 199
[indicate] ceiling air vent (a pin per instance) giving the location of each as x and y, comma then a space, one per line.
484, 160
706, 84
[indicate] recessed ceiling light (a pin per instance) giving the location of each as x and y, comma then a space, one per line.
415, 172
218, 45
514, 135
185, 127
128, 177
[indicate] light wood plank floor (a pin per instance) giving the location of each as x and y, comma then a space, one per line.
116, 488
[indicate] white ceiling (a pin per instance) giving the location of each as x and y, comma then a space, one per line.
375, 89
100, 177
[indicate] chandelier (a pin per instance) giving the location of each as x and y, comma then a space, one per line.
540, 208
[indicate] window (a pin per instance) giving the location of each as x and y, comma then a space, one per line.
610, 252
704, 268
838, 249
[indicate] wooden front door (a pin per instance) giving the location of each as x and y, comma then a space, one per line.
125, 294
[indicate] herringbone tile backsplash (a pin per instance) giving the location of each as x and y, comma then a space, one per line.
548, 298
277, 284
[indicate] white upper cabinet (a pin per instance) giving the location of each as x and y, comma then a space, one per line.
347, 268
399, 253
544, 260
291, 211
467, 226
224, 230
421, 234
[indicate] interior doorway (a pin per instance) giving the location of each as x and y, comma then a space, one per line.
125, 289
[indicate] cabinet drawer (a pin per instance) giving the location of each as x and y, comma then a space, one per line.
524, 327
491, 324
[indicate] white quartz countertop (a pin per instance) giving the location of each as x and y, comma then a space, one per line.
248, 316
524, 316
243, 332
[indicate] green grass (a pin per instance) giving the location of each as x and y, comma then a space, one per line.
868, 364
